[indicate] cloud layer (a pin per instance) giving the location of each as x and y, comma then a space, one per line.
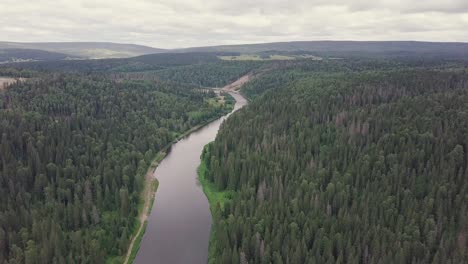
186, 23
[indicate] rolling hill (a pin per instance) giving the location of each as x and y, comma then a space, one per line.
349, 48
20, 55
88, 50
330, 49
134, 64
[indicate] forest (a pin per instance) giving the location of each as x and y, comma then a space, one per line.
344, 163
343, 160
74, 150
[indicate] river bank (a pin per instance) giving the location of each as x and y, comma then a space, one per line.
178, 227
215, 198
151, 186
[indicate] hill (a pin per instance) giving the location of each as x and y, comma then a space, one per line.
134, 64
90, 50
18, 55
349, 48
370, 49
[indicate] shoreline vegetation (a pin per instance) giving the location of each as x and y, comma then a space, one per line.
152, 184
216, 199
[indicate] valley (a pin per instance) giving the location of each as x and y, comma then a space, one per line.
158, 158
233, 132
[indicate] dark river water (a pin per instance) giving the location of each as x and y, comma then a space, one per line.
179, 225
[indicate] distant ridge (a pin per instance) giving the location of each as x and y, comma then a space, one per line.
109, 50
22, 55
337, 47
89, 50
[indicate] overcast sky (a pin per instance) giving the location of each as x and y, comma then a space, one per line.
186, 23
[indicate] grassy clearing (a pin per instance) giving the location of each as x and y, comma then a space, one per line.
154, 187
216, 101
106, 53
281, 57
219, 102
243, 57
254, 57
114, 260
136, 245
308, 56
214, 196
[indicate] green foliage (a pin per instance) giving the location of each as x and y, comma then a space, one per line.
148, 62
208, 75
254, 57
281, 73
356, 167
74, 150
356, 161
137, 244
216, 198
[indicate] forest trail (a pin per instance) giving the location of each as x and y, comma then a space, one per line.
235, 86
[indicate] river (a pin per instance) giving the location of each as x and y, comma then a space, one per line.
179, 225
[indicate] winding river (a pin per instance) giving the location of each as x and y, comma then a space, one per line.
179, 225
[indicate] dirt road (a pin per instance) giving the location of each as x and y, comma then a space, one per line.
148, 194
235, 86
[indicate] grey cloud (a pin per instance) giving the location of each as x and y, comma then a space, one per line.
182, 23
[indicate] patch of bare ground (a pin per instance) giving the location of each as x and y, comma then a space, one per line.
147, 196
6, 81
221, 99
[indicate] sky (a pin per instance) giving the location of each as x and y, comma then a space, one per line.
190, 23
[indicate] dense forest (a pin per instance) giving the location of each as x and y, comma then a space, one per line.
210, 74
216, 74
74, 150
135, 64
351, 49
344, 166
360, 160
279, 73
